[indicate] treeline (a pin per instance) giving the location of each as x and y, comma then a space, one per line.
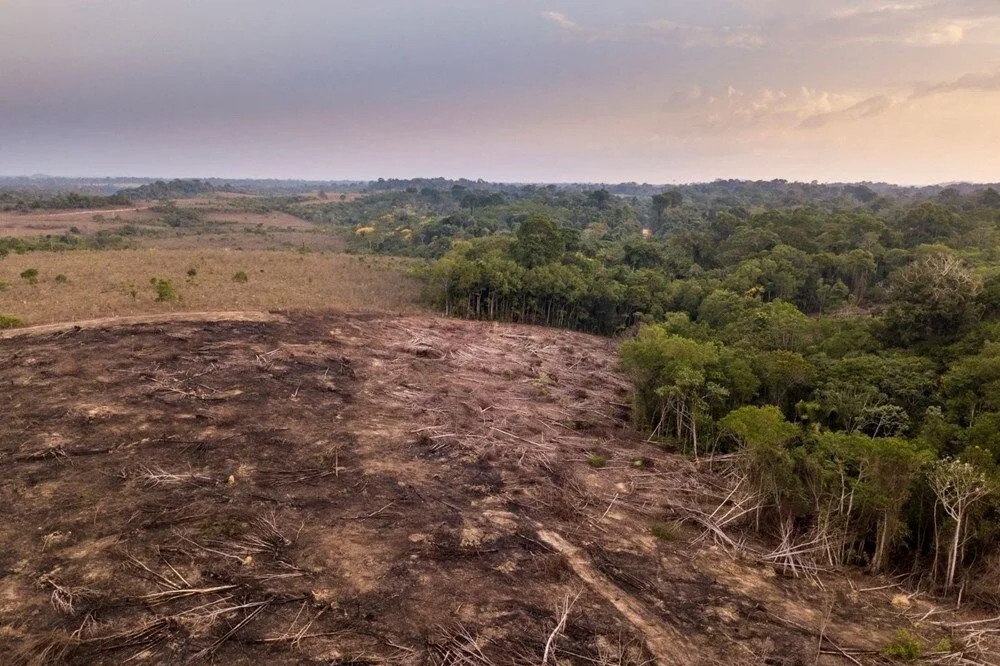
174, 189
851, 449
24, 202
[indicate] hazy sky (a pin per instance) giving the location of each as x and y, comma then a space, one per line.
559, 90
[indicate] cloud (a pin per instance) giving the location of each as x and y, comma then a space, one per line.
973, 82
733, 110
693, 36
912, 23
563, 21
867, 108
685, 35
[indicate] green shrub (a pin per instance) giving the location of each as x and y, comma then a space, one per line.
164, 288
31, 275
669, 531
905, 647
192, 272
944, 645
62, 279
596, 460
240, 277
4, 286
9, 321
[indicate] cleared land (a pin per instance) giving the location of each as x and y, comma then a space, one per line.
370, 489
117, 282
223, 218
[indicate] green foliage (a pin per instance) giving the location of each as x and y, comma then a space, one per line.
31, 275
9, 321
596, 460
680, 383
240, 277
164, 289
934, 298
904, 647
62, 279
177, 217
666, 531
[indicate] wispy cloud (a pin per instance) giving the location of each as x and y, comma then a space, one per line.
563, 21
866, 108
973, 82
693, 36
685, 35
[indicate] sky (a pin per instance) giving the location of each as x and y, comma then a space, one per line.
660, 91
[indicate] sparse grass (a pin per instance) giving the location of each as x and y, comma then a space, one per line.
596, 460
9, 321
904, 647
103, 283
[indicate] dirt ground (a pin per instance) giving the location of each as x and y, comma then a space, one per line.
323, 488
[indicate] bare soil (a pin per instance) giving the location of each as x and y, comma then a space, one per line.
368, 489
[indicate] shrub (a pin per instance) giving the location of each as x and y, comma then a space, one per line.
164, 288
240, 277
9, 321
596, 460
31, 275
62, 279
192, 272
904, 647
665, 531
4, 286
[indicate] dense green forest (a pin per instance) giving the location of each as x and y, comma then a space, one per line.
837, 345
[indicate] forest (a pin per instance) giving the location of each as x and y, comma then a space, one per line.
837, 346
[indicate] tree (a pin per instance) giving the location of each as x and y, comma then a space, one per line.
935, 297
681, 383
762, 435
665, 200
888, 468
972, 385
959, 486
538, 241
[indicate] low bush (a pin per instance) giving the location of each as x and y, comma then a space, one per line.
164, 288
31, 275
9, 321
904, 647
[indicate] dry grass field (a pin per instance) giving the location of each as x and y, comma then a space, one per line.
41, 223
117, 282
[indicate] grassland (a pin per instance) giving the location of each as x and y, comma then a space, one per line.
117, 282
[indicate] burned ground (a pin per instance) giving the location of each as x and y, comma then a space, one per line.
362, 489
